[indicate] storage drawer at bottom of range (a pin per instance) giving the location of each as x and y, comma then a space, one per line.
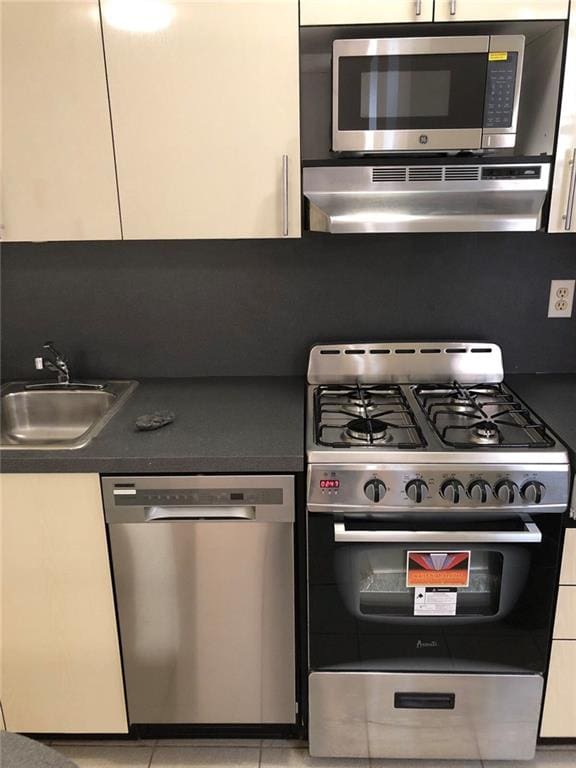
394, 715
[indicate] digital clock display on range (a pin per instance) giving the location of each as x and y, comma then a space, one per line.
329, 483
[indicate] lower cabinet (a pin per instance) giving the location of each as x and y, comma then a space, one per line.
61, 660
559, 718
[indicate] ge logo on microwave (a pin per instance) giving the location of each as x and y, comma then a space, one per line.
423, 139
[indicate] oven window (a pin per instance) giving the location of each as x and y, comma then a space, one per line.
382, 589
411, 92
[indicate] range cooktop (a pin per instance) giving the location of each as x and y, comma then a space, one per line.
427, 425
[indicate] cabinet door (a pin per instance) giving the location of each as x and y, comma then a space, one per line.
496, 10
563, 200
568, 574
559, 718
565, 624
205, 110
61, 659
58, 163
364, 11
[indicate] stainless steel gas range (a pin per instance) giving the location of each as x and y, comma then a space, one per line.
435, 501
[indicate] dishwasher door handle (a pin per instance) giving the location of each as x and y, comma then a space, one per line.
530, 535
199, 513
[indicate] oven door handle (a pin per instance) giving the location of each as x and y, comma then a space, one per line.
530, 535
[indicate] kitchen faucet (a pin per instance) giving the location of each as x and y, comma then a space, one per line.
57, 363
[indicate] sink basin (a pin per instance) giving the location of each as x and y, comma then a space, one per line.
58, 416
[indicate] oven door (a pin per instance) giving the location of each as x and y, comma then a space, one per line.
365, 617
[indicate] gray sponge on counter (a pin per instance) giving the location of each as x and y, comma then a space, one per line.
150, 421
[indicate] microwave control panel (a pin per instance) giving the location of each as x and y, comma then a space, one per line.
500, 89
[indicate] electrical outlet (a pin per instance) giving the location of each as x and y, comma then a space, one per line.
561, 298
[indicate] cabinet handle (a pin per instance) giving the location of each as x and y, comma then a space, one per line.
571, 194
452, 7
285, 209
418, 7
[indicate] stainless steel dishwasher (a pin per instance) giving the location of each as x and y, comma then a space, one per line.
204, 577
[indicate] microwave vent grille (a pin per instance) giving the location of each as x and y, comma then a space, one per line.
392, 173
462, 173
424, 173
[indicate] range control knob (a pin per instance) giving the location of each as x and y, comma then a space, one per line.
375, 490
452, 490
533, 492
506, 491
479, 490
416, 490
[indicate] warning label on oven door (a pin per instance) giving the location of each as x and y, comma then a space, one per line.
435, 601
437, 569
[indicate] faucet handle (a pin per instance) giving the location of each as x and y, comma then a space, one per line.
49, 347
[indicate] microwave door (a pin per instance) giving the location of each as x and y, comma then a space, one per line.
422, 94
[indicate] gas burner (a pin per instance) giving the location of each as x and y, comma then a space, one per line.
480, 416
368, 430
347, 416
360, 398
485, 433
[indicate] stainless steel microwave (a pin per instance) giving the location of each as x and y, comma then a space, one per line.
426, 94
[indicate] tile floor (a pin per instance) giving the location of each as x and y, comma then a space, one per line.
253, 753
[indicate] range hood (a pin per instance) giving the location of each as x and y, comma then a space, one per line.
426, 198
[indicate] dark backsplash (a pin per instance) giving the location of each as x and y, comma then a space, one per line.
253, 307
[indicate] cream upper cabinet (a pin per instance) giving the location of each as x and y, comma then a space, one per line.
499, 10
563, 200
58, 180
364, 11
205, 112
61, 669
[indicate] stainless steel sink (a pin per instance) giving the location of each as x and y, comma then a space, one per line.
52, 416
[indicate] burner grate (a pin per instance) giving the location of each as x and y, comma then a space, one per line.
354, 415
480, 416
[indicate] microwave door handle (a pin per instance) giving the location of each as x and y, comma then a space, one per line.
199, 513
530, 535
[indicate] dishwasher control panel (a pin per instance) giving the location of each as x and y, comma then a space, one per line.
198, 497
126, 495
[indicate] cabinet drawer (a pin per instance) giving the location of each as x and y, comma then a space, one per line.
565, 626
568, 574
559, 719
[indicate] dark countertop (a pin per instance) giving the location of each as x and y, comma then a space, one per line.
222, 425
552, 397
241, 425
